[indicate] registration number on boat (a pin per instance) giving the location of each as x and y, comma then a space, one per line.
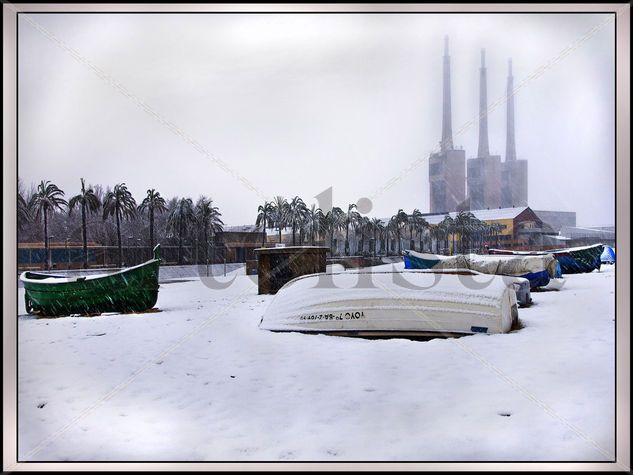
334, 316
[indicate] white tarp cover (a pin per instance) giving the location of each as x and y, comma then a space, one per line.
494, 264
393, 301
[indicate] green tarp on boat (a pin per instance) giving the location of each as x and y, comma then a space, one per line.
134, 289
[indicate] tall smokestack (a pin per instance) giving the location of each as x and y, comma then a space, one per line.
511, 153
447, 130
483, 150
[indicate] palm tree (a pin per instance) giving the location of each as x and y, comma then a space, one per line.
414, 226
377, 228
88, 202
295, 216
263, 218
153, 203
208, 218
121, 204
47, 198
350, 218
391, 230
279, 213
401, 219
333, 221
363, 226
181, 217
314, 220
23, 212
465, 222
423, 226
447, 226
460, 224
436, 233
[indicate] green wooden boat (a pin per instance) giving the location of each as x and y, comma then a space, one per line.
134, 289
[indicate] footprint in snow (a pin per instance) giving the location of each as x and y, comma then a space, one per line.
504, 414
41, 404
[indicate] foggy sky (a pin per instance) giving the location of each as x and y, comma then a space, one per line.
298, 103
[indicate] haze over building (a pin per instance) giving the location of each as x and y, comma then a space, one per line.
485, 182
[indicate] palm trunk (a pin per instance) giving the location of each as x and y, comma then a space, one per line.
280, 233
263, 236
84, 234
293, 233
347, 239
206, 244
151, 229
46, 256
180, 241
118, 233
212, 247
332, 242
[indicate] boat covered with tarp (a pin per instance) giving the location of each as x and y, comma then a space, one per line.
572, 260
538, 270
134, 289
366, 303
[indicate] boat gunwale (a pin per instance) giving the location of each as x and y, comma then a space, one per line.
54, 280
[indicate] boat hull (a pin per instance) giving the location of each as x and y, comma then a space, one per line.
131, 290
357, 303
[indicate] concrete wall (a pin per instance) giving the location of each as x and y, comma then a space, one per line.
447, 180
514, 183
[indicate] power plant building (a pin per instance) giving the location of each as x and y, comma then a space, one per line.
484, 172
514, 173
483, 182
447, 175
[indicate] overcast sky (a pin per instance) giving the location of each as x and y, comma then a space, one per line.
295, 104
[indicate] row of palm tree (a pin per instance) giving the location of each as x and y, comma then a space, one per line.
465, 230
183, 217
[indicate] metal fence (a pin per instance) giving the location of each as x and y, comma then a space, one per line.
108, 256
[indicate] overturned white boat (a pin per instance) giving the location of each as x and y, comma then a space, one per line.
423, 303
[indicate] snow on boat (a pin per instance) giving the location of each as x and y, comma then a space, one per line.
573, 260
134, 289
520, 285
390, 303
537, 269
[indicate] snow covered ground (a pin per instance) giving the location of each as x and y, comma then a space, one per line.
199, 381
